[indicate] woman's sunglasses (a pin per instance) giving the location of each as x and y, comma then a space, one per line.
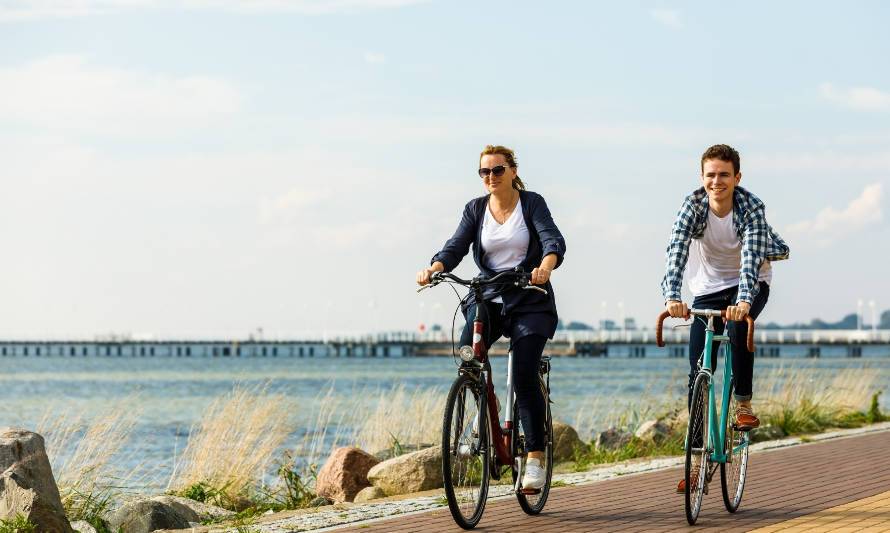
498, 171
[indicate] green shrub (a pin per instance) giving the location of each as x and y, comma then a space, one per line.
19, 524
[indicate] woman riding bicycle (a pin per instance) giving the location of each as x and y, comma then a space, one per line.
511, 227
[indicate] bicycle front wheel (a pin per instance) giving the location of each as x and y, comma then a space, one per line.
734, 471
697, 453
532, 502
465, 451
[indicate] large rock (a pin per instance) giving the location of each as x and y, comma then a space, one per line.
82, 526
192, 510
369, 493
344, 474
565, 442
653, 430
145, 516
402, 449
767, 432
413, 472
27, 485
612, 439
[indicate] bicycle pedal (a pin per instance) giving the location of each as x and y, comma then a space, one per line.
529, 492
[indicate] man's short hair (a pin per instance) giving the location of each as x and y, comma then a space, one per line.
723, 152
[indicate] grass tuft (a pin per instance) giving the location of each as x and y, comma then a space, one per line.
19, 524
228, 452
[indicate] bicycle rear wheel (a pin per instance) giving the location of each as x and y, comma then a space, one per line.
465, 451
734, 471
697, 453
533, 502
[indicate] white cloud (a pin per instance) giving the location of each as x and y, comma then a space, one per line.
374, 57
857, 98
831, 224
67, 92
668, 17
827, 162
290, 203
17, 10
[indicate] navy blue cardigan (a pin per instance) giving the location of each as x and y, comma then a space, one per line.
544, 239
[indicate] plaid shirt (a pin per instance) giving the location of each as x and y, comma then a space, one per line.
759, 241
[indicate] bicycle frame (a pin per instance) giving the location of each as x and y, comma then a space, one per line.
717, 433
502, 437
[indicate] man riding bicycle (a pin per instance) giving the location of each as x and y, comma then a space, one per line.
722, 228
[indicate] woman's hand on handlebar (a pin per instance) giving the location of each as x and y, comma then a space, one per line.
540, 276
676, 309
425, 275
738, 312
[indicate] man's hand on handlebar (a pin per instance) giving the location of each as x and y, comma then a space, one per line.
676, 309
425, 275
738, 312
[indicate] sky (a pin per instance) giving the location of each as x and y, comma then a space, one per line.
205, 168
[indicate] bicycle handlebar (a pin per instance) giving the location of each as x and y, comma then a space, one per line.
521, 277
659, 340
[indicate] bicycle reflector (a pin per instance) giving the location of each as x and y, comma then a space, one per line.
466, 353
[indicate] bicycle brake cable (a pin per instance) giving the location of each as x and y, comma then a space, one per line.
460, 302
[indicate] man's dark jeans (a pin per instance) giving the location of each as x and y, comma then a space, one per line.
742, 359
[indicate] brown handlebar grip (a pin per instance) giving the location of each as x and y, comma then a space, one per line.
750, 321
658, 338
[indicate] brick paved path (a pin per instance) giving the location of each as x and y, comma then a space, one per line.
782, 485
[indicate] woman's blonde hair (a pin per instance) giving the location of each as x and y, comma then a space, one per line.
511, 161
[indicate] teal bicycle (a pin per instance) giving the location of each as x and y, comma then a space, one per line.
712, 439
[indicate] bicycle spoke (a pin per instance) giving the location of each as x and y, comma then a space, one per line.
697, 448
733, 473
465, 440
533, 502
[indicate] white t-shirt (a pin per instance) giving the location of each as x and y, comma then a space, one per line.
504, 245
715, 260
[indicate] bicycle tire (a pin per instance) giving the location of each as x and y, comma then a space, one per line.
465, 454
733, 473
698, 425
534, 503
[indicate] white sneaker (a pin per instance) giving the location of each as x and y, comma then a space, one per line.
535, 476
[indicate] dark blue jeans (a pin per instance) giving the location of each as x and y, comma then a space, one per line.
742, 359
527, 350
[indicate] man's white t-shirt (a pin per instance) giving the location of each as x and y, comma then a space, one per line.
505, 245
715, 260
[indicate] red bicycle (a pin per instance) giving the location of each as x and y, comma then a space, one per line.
475, 446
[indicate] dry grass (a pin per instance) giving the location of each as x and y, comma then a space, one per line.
797, 399
808, 400
847, 389
334, 415
239, 435
83, 456
400, 416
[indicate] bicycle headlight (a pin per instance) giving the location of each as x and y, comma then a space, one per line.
466, 353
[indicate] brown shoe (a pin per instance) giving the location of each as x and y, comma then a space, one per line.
745, 420
681, 486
